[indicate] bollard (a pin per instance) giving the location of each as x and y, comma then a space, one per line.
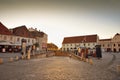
22, 57
16, 58
10, 59
1, 60
87, 60
91, 61
84, 59
28, 55
118, 69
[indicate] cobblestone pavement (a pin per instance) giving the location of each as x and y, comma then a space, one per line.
60, 68
7, 56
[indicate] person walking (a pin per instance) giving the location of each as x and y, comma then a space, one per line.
98, 51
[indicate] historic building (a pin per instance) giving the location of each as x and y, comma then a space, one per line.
6, 37
51, 47
116, 43
5, 34
13, 37
105, 44
41, 38
112, 44
20, 33
72, 43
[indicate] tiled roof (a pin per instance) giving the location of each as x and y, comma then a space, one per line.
51, 45
37, 33
105, 39
80, 39
24, 32
21, 31
4, 30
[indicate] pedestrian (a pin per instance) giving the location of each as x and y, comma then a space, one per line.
98, 51
70, 55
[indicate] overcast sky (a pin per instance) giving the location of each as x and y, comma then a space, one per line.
63, 18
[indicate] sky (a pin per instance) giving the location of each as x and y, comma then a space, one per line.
63, 18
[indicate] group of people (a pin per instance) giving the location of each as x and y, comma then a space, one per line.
27, 50
84, 53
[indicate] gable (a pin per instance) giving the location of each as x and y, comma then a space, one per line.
4, 30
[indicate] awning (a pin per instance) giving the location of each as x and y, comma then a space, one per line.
5, 43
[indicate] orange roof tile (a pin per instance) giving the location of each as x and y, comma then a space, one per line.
80, 39
21, 31
4, 30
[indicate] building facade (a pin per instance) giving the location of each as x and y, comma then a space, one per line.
116, 43
105, 45
112, 44
52, 47
41, 38
14, 37
73, 43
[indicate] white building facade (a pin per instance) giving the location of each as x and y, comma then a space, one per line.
16, 40
73, 43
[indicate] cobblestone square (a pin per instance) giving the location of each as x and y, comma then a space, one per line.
61, 68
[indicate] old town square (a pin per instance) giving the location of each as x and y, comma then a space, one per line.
59, 68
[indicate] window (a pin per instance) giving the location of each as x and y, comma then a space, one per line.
64, 49
18, 39
28, 40
32, 41
88, 44
67, 49
5, 37
118, 45
114, 45
103, 45
84, 44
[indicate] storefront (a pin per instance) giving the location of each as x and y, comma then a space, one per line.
9, 47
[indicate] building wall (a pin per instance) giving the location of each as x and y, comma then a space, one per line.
73, 46
17, 39
111, 45
8, 38
42, 42
116, 43
29, 41
106, 46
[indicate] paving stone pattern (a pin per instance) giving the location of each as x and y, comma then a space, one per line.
60, 68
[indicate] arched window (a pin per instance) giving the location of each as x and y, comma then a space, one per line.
114, 45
